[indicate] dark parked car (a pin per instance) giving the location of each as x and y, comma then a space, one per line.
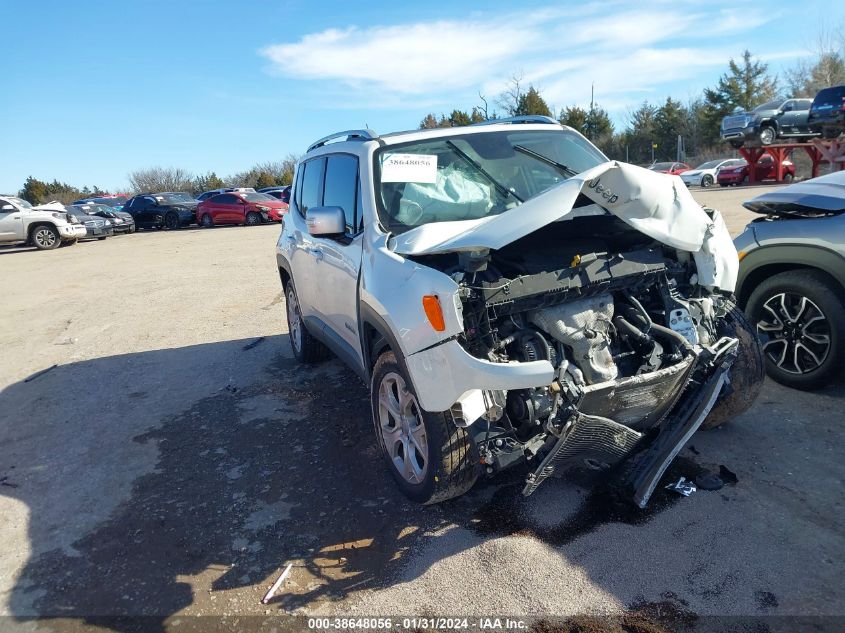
792, 279
170, 210
95, 227
122, 221
248, 208
781, 119
827, 114
766, 169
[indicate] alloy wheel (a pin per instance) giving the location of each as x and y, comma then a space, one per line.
795, 333
767, 135
294, 321
44, 237
402, 428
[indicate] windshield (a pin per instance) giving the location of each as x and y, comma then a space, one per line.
661, 166
257, 197
20, 203
771, 105
472, 176
710, 164
174, 197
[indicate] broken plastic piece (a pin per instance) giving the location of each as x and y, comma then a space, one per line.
709, 481
682, 487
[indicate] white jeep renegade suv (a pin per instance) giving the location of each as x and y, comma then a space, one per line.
509, 294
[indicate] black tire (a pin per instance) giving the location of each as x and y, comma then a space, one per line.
745, 180
100, 239
252, 219
746, 374
804, 371
787, 178
707, 180
723, 184
45, 237
206, 221
768, 135
451, 462
132, 229
172, 221
305, 347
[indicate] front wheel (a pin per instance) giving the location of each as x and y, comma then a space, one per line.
171, 221
787, 178
767, 135
45, 238
798, 315
430, 458
100, 239
746, 373
305, 347
707, 180
252, 219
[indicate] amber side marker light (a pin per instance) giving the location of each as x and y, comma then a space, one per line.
431, 305
741, 255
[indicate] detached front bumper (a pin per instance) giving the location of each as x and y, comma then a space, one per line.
444, 374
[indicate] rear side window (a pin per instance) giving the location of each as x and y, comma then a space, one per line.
802, 104
342, 186
830, 96
311, 194
225, 199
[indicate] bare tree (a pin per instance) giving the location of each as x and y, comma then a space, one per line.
510, 99
824, 68
161, 179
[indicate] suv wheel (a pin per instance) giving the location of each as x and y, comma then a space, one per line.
707, 180
305, 347
252, 219
767, 135
430, 458
171, 221
45, 237
207, 221
798, 315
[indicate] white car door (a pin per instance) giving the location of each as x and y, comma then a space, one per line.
11, 222
338, 258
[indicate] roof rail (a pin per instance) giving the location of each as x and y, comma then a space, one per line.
524, 118
361, 135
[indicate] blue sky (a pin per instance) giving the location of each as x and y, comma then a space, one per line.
94, 90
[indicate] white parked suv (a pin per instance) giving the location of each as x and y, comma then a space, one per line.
705, 174
509, 294
44, 227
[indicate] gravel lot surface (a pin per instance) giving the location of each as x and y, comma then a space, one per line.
176, 458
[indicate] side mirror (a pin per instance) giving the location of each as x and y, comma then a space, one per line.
325, 221
7, 207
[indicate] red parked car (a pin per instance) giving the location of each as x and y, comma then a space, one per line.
766, 170
240, 207
670, 168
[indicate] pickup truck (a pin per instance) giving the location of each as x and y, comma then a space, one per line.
45, 227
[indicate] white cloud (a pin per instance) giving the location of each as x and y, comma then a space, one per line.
627, 53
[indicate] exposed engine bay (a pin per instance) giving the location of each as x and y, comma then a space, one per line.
623, 322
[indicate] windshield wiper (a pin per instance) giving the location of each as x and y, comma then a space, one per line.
499, 186
545, 159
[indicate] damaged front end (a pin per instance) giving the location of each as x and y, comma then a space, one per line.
640, 349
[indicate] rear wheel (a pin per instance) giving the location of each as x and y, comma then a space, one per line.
305, 347
252, 219
45, 237
707, 180
206, 221
430, 458
171, 221
798, 316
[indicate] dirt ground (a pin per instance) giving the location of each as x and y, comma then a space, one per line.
175, 458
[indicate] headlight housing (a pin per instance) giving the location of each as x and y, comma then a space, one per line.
261, 207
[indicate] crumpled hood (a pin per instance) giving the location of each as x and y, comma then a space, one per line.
51, 206
657, 205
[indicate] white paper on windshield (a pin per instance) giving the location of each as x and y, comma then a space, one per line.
409, 168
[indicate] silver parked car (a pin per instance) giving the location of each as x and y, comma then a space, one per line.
792, 279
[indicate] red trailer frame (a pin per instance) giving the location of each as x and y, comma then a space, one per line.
820, 151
